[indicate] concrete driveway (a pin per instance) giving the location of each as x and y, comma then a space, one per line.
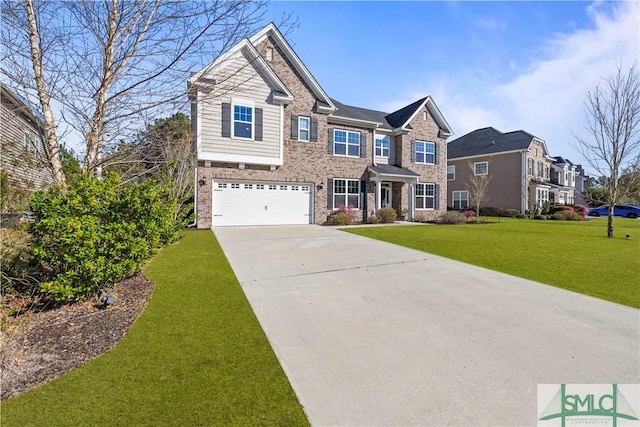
370, 333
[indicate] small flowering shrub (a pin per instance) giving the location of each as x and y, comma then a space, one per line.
469, 214
345, 215
387, 215
581, 209
565, 215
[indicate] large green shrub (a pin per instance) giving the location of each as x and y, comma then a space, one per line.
452, 217
97, 232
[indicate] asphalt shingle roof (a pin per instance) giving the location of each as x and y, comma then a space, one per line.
392, 170
389, 120
488, 141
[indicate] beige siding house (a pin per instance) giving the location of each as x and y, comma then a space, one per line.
274, 148
22, 155
517, 163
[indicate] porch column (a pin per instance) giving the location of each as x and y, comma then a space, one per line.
378, 195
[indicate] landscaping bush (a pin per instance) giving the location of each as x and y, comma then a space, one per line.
387, 215
512, 213
16, 258
469, 214
420, 217
520, 216
543, 217
581, 210
489, 211
566, 215
452, 217
345, 215
97, 233
372, 220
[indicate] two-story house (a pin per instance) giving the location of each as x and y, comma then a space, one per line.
22, 161
564, 178
516, 163
273, 148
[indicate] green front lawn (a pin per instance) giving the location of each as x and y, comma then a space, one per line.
571, 255
196, 357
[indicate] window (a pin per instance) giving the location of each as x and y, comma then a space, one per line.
235, 185
425, 196
260, 186
283, 187
272, 187
481, 168
304, 124
269, 54
542, 196
460, 199
248, 186
27, 142
242, 121
222, 185
382, 146
346, 192
425, 152
530, 166
540, 169
346, 143
451, 173
546, 172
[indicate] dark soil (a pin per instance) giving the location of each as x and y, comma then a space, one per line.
41, 345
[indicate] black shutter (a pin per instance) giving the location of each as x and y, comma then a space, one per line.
435, 153
363, 201
330, 142
258, 124
413, 151
436, 194
294, 127
314, 130
330, 194
363, 145
226, 120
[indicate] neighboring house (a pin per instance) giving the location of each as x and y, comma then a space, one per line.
564, 176
274, 148
21, 149
517, 163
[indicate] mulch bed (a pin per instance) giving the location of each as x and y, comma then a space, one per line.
40, 346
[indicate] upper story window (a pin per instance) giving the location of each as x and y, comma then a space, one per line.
346, 143
382, 146
530, 166
425, 152
304, 126
540, 169
27, 142
242, 121
546, 172
481, 168
269, 54
451, 172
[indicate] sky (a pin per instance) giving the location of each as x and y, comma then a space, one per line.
510, 65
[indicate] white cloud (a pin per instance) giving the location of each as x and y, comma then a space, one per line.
546, 98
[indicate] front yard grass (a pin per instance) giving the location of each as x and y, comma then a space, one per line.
197, 356
572, 255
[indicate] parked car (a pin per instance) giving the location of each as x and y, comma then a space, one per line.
628, 211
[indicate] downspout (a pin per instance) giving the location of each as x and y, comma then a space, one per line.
523, 174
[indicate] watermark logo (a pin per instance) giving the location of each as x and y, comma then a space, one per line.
616, 405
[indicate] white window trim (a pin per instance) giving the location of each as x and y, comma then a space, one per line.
300, 118
381, 138
346, 143
415, 154
454, 172
346, 194
243, 103
460, 199
425, 197
475, 168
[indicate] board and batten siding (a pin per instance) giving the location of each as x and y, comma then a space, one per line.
239, 80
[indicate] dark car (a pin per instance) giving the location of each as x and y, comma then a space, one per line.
628, 211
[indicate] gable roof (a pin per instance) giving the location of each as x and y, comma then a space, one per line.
21, 105
398, 119
489, 141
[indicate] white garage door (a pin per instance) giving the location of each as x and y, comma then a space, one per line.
261, 203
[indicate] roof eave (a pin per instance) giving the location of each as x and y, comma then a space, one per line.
352, 121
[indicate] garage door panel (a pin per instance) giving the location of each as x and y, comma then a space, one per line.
257, 203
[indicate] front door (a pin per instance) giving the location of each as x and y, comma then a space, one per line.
385, 195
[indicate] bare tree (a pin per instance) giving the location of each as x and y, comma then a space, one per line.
478, 188
113, 65
613, 122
